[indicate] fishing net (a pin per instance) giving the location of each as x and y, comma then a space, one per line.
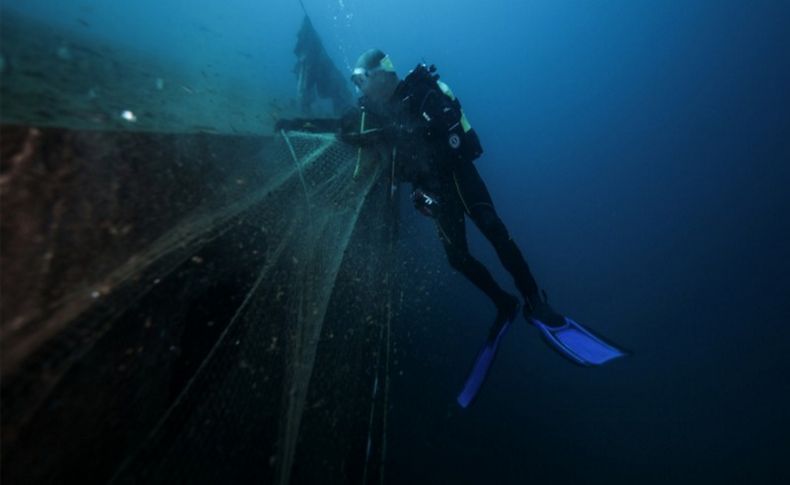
168, 299
183, 303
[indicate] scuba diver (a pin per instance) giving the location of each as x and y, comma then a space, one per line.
434, 148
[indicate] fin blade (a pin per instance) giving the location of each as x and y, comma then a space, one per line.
482, 365
578, 344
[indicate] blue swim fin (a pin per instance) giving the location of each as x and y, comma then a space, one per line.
577, 343
482, 364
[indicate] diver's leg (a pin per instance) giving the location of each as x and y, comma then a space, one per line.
477, 202
452, 232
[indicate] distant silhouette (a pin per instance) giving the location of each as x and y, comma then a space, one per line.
317, 75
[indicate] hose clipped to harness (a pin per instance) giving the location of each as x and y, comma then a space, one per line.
424, 202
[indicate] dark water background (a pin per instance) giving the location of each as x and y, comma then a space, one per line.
638, 152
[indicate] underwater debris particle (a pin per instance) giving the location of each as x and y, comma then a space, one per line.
95, 294
197, 259
273, 345
159, 83
128, 116
63, 53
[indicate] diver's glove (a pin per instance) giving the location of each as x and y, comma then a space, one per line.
425, 202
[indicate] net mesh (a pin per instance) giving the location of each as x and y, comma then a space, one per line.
218, 311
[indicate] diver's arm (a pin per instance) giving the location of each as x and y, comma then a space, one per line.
363, 128
347, 129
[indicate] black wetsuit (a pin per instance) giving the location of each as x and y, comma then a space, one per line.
436, 149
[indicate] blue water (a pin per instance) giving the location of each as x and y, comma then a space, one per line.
639, 154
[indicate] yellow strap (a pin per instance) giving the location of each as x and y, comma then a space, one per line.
386, 64
359, 149
446, 90
444, 234
449, 93
465, 122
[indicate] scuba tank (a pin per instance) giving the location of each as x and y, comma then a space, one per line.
439, 111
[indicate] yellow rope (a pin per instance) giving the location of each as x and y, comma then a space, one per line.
359, 150
458, 188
